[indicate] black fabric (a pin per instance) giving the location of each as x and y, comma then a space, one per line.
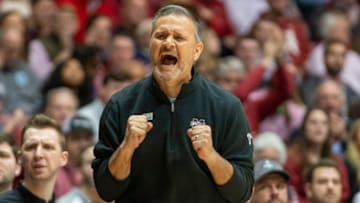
22, 195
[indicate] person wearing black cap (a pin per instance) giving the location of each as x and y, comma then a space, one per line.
271, 183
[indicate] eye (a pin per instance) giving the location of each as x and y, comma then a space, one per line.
160, 36
4, 155
29, 147
263, 187
179, 38
49, 146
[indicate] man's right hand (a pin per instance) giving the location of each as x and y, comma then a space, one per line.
136, 130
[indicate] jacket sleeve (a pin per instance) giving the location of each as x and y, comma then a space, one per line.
237, 148
110, 136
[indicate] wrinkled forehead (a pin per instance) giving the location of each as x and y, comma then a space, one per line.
38, 135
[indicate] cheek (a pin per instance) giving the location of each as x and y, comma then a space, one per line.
261, 195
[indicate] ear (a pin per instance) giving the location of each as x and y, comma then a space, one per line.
64, 157
17, 169
308, 191
18, 165
198, 50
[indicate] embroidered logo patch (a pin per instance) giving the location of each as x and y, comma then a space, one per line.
149, 116
196, 121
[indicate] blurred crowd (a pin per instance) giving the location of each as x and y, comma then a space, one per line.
294, 64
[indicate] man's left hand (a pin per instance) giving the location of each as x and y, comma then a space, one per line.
201, 140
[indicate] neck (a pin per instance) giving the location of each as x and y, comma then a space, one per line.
335, 78
171, 88
315, 148
42, 189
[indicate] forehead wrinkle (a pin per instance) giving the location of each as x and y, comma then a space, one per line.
166, 29
36, 138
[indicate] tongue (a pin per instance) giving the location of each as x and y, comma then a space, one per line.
168, 60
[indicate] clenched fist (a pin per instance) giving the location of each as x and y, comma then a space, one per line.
201, 139
137, 128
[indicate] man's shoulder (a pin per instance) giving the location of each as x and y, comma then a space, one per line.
11, 196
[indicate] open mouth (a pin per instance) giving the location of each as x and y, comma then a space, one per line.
168, 59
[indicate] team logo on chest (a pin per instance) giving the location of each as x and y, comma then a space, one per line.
196, 121
249, 137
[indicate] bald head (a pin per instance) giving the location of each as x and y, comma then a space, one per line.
330, 97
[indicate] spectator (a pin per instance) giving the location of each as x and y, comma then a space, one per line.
271, 183
248, 50
22, 89
9, 166
268, 145
336, 26
98, 31
312, 145
276, 77
71, 74
122, 50
323, 182
330, 98
60, 104
46, 52
42, 154
41, 21
229, 73
296, 35
334, 57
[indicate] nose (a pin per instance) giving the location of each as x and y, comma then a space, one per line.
274, 191
169, 42
330, 184
38, 152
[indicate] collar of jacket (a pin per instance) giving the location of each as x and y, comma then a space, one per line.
186, 89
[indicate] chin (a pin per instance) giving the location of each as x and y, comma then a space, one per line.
165, 75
